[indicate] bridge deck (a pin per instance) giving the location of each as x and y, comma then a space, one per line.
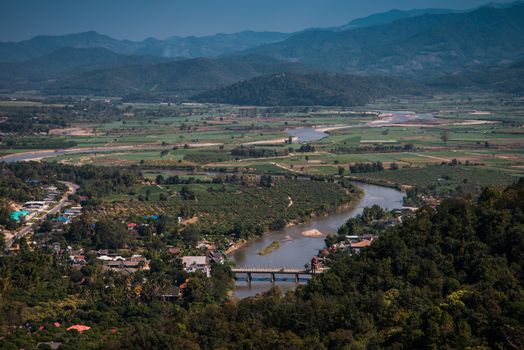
270, 270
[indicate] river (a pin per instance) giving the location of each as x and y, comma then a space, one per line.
303, 134
296, 250
386, 118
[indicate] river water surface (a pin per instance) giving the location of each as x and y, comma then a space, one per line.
296, 250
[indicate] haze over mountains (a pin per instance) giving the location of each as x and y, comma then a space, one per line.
440, 47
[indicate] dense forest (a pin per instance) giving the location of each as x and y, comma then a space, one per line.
288, 89
449, 278
94, 181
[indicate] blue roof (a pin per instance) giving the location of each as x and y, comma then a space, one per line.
61, 219
16, 215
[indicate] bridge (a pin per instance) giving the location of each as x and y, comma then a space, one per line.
272, 271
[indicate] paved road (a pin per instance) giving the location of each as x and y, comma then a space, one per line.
72, 188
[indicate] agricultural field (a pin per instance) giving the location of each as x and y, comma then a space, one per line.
219, 210
484, 131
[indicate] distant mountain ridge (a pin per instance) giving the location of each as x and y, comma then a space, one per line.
65, 61
188, 47
181, 78
191, 47
388, 17
434, 44
441, 47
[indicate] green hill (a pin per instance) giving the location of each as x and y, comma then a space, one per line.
312, 89
176, 78
63, 62
507, 78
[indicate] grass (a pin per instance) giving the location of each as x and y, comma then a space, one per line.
445, 176
267, 250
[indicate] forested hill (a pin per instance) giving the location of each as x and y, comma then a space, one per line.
450, 278
176, 78
287, 89
432, 43
66, 62
507, 78
447, 279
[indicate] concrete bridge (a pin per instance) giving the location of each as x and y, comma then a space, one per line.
272, 271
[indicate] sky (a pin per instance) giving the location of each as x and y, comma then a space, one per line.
139, 19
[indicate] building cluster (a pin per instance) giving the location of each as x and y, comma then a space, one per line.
110, 261
125, 265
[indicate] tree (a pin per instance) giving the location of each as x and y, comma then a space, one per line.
186, 193
191, 234
266, 181
444, 136
46, 226
110, 234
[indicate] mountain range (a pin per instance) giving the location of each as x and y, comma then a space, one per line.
437, 47
180, 78
182, 47
432, 44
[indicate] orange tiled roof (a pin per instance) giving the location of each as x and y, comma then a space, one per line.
79, 328
362, 244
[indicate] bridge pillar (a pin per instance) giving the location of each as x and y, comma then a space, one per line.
273, 279
249, 277
297, 278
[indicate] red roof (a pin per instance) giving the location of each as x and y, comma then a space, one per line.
362, 244
132, 224
80, 328
56, 324
174, 250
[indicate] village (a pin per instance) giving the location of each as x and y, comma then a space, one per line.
39, 222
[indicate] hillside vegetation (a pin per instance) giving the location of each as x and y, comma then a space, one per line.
176, 78
433, 43
450, 278
187, 47
314, 89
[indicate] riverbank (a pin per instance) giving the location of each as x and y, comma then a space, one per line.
351, 204
296, 249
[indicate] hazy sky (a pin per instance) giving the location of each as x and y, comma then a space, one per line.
138, 19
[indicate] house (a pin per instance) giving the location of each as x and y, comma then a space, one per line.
100, 252
216, 257
80, 328
37, 205
77, 259
205, 245
120, 264
196, 263
358, 246
174, 250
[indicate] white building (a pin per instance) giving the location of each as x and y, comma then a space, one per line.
196, 263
